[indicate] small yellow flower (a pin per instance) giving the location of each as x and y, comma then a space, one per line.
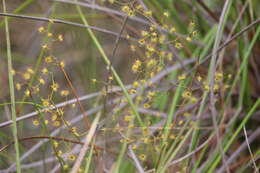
134, 147
172, 30
30, 70
27, 92
188, 39
18, 86
60, 37
144, 33
180, 122
45, 102
26, 76
65, 167
133, 48
54, 117
146, 140
139, 7
46, 122
128, 118
139, 98
142, 157
178, 45
94, 80
150, 48
148, 54
135, 84
154, 34
136, 66
74, 129
42, 81
36, 89
55, 144
194, 33
41, 29
166, 14
44, 71
148, 13
151, 63
159, 68
48, 59
151, 94
186, 94
146, 105
193, 99
45, 46
59, 153
206, 87
49, 34
162, 38
128, 10
169, 56
62, 64
132, 91
143, 81
226, 86
218, 76
141, 41
215, 87
56, 123
182, 77
110, 78
199, 78
36, 122
64, 93
55, 87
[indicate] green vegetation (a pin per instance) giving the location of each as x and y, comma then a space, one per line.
124, 86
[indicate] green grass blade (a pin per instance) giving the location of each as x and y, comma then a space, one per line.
12, 94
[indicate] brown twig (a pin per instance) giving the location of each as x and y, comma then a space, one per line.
76, 95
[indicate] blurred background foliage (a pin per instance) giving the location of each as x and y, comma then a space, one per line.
83, 61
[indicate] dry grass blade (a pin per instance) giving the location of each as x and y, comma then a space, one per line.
250, 151
87, 141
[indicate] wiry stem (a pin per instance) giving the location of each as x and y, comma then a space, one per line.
11, 88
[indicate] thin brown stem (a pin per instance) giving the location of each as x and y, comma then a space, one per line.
76, 95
